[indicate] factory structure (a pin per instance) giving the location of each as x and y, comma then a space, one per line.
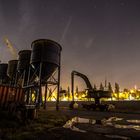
32, 80
25, 82
132, 94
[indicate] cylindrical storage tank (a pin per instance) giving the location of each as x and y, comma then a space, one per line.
47, 53
24, 60
3, 70
12, 68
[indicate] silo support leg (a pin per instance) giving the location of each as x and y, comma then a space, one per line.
40, 86
58, 90
46, 90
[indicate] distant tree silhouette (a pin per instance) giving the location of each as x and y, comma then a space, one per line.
110, 87
117, 89
126, 90
101, 87
77, 90
68, 89
105, 83
95, 88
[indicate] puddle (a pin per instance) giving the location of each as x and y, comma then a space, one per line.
112, 121
118, 137
135, 127
70, 124
134, 121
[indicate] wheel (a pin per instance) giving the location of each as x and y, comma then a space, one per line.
110, 107
12, 108
19, 115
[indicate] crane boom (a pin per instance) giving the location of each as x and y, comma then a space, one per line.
11, 48
84, 77
92, 93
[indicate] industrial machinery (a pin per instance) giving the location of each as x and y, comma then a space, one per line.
91, 93
21, 80
3, 73
23, 67
45, 65
11, 71
13, 96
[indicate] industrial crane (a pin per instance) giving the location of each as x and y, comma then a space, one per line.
11, 48
91, 93
84, 77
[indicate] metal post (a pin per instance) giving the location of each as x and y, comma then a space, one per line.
28, 94
72, 86
23, 82
68, 93
58, 83
28, 76
16, 78
46, 90
97, 101
40, 89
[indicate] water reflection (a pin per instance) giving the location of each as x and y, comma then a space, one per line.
134, 121
112, 121
70, 124
118, 137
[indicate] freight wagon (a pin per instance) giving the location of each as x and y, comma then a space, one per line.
14, 100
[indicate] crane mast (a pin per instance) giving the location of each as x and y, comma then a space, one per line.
11, 48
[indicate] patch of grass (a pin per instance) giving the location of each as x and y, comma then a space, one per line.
11, 129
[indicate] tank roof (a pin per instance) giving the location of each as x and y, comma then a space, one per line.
24, 51
46, 40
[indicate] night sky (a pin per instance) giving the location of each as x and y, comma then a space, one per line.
100, 38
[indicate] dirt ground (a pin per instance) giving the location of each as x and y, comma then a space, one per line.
50, 122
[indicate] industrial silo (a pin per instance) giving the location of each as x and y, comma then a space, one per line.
12, 69
3, 73
24, 60
23, 65
45, 55
45, 60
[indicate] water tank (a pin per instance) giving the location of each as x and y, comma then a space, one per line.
12, 68
24, 60
3, 70
45, 52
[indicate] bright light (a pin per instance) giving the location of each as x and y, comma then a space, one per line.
131, 94
135, 87
132, 91
52, 99
131, 97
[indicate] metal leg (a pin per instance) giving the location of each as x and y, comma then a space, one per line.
72, 86
58, 83
46, 90
29, 76
23, 82
40, 88
58, 90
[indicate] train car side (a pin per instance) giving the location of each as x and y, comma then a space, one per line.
12, 99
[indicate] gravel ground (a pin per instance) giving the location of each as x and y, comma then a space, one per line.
50, 124
120, 129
